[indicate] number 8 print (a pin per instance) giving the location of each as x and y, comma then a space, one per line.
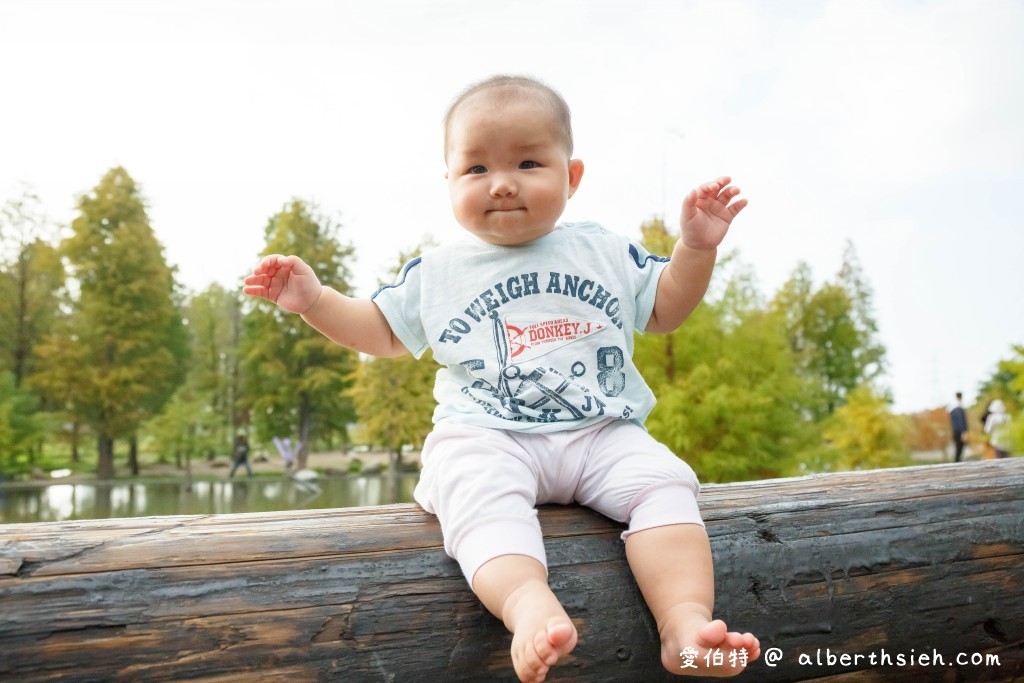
610, 361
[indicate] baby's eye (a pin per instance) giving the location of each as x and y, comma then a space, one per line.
477, 169
529, 164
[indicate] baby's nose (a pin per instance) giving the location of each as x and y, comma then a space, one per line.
503, 185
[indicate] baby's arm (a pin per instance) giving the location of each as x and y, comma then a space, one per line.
707, 214
353, 323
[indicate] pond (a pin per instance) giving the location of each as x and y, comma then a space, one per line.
102, 500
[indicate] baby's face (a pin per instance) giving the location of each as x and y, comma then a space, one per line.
509, 174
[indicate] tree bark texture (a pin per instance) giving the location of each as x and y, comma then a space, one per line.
908, 562
105, 457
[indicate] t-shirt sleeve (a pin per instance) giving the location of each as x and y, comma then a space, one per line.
646, 269
400, 304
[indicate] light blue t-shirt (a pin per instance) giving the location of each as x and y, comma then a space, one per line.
535, 337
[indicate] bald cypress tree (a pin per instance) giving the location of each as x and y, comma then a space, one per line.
31, 282
125, 332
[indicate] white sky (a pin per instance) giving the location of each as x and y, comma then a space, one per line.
894, 124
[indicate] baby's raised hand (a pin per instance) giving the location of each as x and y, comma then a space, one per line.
707, 213
285, 280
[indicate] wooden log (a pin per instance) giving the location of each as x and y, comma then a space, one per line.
893, 563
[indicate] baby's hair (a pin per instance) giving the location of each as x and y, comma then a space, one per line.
505, 88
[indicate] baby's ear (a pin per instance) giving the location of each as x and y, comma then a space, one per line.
575, 175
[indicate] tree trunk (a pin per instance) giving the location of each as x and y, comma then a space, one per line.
76, 435
305, 429
22, 344
392, 475
879, 564
105, 462
133, 455
188, 470
234, 390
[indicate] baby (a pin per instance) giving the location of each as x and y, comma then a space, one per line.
538, 397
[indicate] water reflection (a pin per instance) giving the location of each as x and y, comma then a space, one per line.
94, 500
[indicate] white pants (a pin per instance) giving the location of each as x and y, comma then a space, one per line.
483, 485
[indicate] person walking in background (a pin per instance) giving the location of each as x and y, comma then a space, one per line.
997, 426
240, 456
958, 425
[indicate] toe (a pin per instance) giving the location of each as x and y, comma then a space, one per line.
712, 634
752, 645
736, 640
560, 636
530, 670
543, 648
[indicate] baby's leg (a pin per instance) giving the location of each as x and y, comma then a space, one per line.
481, 484
632, 478
672, 565
515, 589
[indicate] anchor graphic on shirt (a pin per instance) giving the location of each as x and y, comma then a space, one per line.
548, 390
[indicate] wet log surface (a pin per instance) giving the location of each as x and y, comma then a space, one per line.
907, 562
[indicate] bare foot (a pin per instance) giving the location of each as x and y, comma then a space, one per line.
541, 632
693, 646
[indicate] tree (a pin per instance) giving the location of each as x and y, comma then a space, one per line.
728, 394
186, 426
214, 323
655, 237
394, 401
744, 388
833, 333
1007, 384
295, 378
865, 434
31, 280
869, 354
65, 380
125, 330
732, 409
928, 430
202, 416
21, 425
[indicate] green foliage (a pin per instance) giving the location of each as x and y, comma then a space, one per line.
394, 396
655, 237
202, 416
188, 426
63, 378
864, 434
31, 284
21, 425
125, 336
1007, 384
295, 378
31, 281
1015, 366
744, 388
394, 400
728, 396
832, 332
